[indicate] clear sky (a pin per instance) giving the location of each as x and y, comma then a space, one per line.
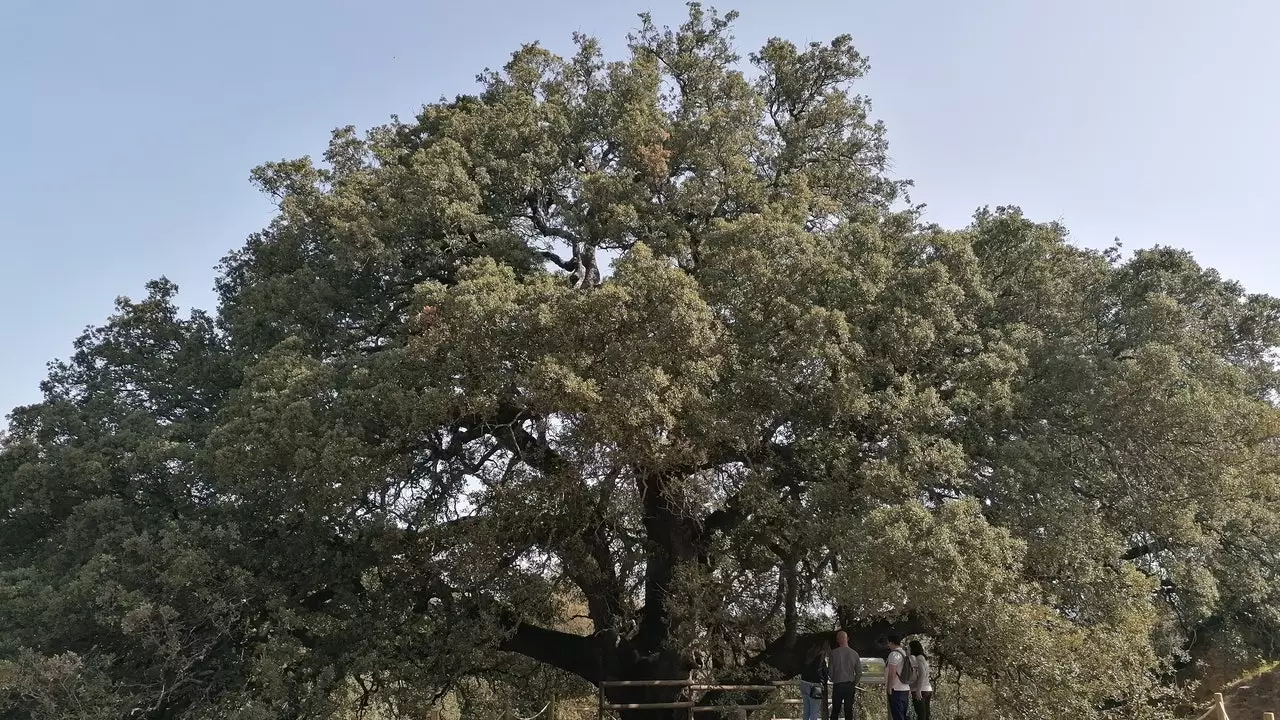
130, 126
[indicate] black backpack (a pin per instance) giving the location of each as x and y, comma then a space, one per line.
907, 670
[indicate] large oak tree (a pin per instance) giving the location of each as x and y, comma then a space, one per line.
658, 337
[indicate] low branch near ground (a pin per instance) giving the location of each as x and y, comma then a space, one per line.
576, 654
788, 657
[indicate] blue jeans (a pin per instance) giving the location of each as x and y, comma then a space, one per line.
812, 705
899, 701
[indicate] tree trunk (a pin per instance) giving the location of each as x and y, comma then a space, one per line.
673, 541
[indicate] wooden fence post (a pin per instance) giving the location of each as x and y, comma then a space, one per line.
1220, 705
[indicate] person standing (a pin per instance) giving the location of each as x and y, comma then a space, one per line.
845, 670
922, 683
896, 678
813, 684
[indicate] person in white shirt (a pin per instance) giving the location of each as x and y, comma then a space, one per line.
899, 692
922, 683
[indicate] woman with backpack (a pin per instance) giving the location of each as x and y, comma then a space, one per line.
921, 683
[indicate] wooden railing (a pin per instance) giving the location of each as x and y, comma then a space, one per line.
691, 706
1218, 710
688, 704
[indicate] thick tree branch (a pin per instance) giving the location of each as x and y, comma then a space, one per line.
607, 595
571, 653
789, 657
533, 452
1145, 549
674, 539
735, 510
504, 426
567, 265
589, 565
585, 552
539, 219
790, 593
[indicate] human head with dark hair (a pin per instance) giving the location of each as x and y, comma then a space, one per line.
818, 650
917, 649
893, 640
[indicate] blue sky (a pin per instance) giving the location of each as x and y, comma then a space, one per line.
130, 127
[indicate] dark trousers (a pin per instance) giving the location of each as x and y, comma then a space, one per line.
898, 702
843, 695
921, 705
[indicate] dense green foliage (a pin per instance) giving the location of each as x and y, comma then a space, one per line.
656, 337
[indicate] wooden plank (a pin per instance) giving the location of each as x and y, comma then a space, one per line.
645, 683
755, 688
1216, 711
722, 708
647, 706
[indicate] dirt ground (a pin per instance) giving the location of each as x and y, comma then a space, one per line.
1249, 698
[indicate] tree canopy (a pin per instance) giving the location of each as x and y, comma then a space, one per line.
662, 339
